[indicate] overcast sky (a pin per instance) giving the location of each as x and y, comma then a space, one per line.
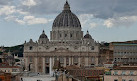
106, 20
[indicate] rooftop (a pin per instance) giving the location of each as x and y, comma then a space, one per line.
126, 68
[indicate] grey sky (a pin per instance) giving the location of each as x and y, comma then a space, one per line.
99, 8
106, 20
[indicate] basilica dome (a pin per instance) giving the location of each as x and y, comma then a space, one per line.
66, 18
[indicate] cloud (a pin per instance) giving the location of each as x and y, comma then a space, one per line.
31, 20
103, 9
5, 2
87, 21
6, 10
93, 25
22, 12
126, 21
108, 10
10, 18
28, 20
20, 21
29, 3
85, 18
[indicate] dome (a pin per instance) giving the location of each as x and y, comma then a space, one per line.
88, 36
43, 35
66, 18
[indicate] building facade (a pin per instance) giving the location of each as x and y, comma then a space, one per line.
10, 69
124, 52
67, 44
123, 73
5, 76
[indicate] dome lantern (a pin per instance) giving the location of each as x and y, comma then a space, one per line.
66, 6
87, 36
43, 35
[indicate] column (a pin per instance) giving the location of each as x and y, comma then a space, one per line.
86, 61
26, 63
64, 61
96, 61
72, 60
50, 67
53, 60
43, 65
69, 60
79, 61
36, 64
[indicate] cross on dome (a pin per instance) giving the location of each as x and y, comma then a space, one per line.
43, 32
87, 32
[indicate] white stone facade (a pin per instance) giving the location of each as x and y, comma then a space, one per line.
66, 44
37, 78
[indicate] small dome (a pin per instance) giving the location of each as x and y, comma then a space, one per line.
88, 36
43, 35
66, 18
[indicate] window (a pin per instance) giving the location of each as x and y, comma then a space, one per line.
60, 35
123, 72
67, 60
131, 72
55, 58
75, 47
30, 59
21, 79
70, 35
123, 80
116, 80
75, 59
92, 48
30, 48
47, 47
61, 60
92, 59
65, 35
115, 73
47, 59
14, 70
131, 80
39, 80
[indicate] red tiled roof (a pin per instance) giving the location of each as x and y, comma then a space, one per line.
126, 68
9, 67
108, 63
134, 41
87, 72
72, 67
6, 65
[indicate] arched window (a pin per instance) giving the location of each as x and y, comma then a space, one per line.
61, 60
75, 60
71, 35
60, 35
92, 48
30, 48
65, 35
